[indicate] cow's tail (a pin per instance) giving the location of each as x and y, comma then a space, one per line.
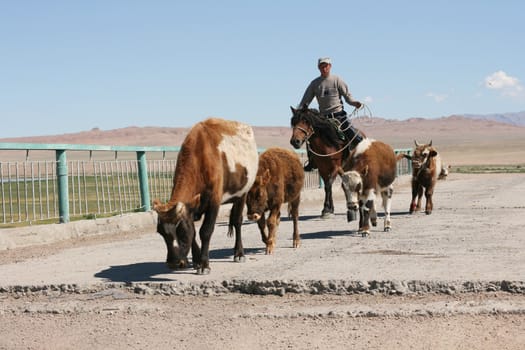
289, 209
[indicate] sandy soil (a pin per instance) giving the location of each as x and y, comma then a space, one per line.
118, 318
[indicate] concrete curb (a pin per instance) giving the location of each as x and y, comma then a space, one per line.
46, 234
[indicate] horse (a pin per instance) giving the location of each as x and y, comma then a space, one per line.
323, 139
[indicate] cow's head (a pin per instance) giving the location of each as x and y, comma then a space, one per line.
421, 154
176, 224
352, 184
257, 198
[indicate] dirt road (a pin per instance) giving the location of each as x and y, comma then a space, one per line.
451, 280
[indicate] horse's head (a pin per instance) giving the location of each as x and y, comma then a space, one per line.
302, 125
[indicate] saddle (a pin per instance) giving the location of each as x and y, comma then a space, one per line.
336, 124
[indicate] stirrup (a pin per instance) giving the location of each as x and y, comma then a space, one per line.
309, 167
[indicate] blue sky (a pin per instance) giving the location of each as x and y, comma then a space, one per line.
70, 66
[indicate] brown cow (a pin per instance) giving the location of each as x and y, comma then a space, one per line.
426, 169
279, 180
370, 169
217, 164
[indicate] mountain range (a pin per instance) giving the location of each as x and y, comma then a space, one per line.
509, 118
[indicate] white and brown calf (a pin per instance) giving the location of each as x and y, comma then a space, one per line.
369, 171
279, 180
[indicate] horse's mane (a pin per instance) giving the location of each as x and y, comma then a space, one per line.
322, 126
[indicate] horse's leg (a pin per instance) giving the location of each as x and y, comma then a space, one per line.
328, 206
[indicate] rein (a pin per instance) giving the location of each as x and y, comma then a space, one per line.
328, 154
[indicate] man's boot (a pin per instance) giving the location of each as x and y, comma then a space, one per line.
352, 135
310, 165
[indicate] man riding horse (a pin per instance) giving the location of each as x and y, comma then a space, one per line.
328, 90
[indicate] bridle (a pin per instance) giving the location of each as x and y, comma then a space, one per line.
310, 133
307, 133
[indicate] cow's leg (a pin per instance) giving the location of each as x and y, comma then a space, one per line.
387, 206
236, 223
294, 213
429, 191
196, 254
328, 206
361, 213
351, 198
205, 232
273, 224
373, 214
167, 231
364, 229
417, 193
261, 223
419, 196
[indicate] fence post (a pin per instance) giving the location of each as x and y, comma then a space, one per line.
143, 180
63, 192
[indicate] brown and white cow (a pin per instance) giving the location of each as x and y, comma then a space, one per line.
279, 180
427, 168
217, 164
369, 170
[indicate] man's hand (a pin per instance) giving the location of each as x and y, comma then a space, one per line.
357, 104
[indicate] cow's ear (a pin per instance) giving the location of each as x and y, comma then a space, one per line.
195, 202
265, 177
433, 153
180, 209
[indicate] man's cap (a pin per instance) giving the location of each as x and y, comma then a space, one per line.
322, 60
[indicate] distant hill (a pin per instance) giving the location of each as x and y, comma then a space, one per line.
509, 118
460, 139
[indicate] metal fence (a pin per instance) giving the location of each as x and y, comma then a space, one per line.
94, 181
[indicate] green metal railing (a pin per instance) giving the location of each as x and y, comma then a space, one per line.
63, 175
92, 180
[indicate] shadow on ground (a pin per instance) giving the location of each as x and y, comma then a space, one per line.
146, 271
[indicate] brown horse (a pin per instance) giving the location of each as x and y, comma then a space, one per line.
323, 139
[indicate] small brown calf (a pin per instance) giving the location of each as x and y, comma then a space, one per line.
427, 168
279, 180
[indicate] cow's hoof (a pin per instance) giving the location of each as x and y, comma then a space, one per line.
428, 212
327, 215
387, 229
374, 223
364, 234
178, 265
204, 271
239, 259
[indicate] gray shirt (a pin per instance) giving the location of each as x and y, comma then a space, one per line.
328, 92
